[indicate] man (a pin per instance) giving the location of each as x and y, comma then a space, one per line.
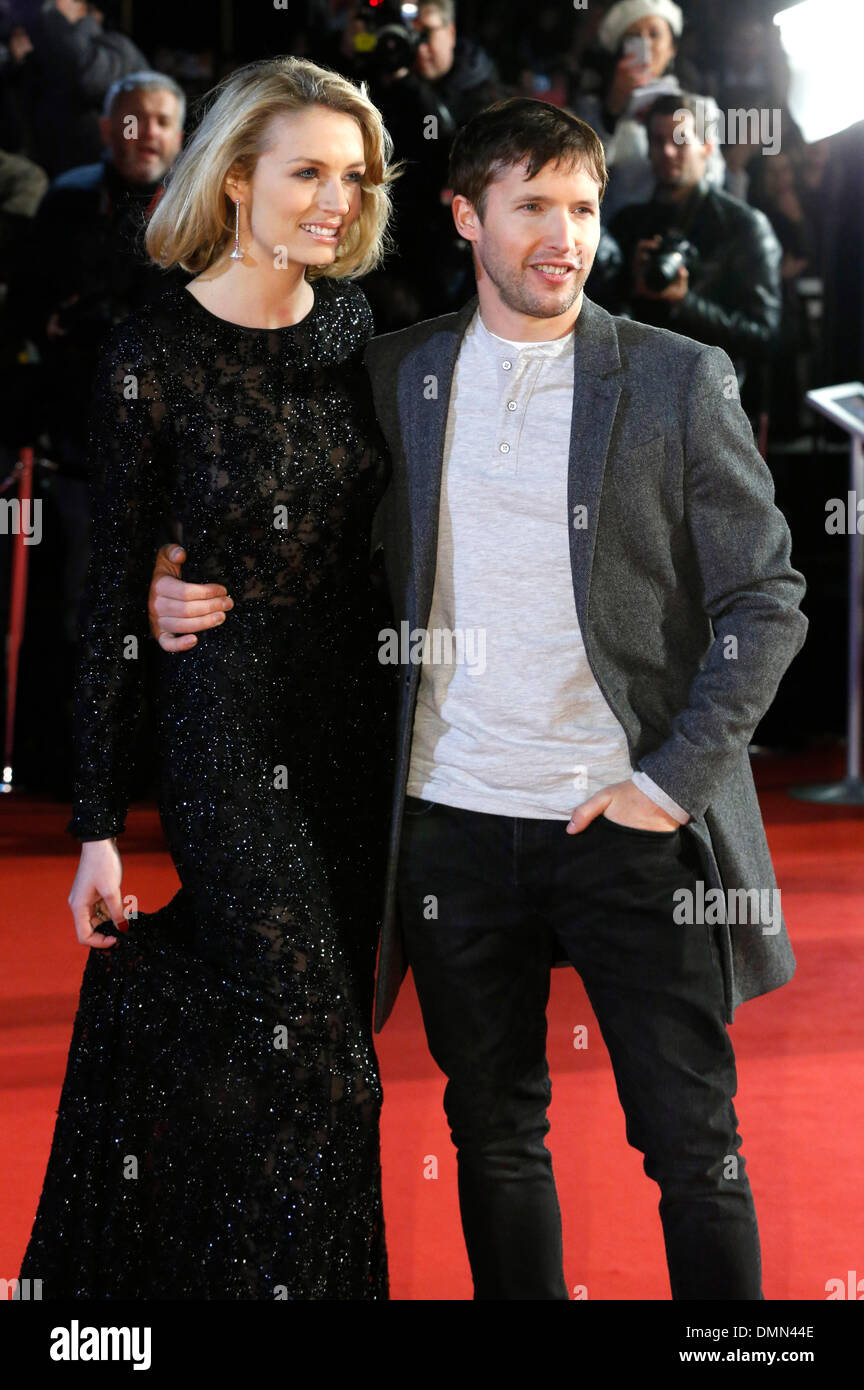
579, 496
451, 79
460, 70
67, 63
97, 214
80, 271
83, 271
731, 294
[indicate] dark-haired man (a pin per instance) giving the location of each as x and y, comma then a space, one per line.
579, 522
729, 295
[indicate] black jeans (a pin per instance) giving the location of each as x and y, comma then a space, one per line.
484, 899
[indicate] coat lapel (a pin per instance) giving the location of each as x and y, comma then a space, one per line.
595, 400
424, 389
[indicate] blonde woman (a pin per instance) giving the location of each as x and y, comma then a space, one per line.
217, 1135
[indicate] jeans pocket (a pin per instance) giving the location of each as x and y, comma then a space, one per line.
637, 830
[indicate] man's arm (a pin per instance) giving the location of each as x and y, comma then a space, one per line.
749, 320
751, 593
80, 53
177, 610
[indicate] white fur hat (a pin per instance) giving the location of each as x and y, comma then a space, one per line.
626, 12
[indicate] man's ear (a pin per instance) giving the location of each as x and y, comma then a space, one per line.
465, 217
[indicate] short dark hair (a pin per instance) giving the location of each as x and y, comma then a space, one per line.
515, 131
701, 110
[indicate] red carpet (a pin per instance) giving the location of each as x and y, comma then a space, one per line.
800, 1102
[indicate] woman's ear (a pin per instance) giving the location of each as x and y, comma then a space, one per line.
234, 183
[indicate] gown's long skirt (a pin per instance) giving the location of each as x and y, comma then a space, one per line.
217, 1134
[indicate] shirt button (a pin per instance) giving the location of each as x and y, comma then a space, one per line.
511, 405
505, 448
506, 366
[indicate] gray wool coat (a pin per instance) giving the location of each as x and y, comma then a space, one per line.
686, 599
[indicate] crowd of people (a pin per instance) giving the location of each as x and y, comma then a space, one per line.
720, 221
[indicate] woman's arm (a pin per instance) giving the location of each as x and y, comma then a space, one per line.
127, 493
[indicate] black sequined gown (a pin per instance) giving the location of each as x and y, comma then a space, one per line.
217, 1134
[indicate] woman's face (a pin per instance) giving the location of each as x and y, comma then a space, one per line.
306, 191
659, 35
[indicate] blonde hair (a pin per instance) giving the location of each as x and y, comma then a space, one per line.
191, 226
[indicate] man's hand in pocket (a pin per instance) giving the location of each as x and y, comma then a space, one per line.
625, 804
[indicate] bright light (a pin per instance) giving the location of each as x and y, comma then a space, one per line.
823, 41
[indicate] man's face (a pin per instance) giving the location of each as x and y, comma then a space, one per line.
435, 56
73, 10
143, 134
538, 238
676, 165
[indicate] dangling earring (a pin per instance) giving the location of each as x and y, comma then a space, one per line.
236, 254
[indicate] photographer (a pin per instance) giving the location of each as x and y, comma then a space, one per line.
695, 259
426, 82
637, 62
460, 71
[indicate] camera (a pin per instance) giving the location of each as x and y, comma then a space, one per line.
662, 263
386, 43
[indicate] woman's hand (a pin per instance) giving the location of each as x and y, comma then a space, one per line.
95, 897
629, 74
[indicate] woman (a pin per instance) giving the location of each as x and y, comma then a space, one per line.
217, 1135
634, 82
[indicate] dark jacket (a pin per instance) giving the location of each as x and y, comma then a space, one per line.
734, 297
22, 187
684, 551
102, 275
61, 86
472, 82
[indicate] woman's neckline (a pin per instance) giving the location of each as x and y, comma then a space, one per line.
248, 328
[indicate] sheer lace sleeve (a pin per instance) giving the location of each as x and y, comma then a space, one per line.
127, 498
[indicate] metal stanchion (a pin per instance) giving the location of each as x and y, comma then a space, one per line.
17, 609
